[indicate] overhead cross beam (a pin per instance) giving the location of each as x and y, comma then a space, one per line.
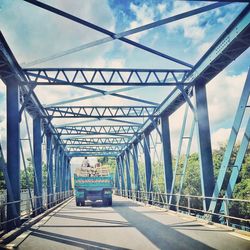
105, 76
106, 32
95, 141
94, 148
234, 41
97, 130
121, 36
100, 111
93, 154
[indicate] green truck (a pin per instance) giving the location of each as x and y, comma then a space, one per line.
93, 188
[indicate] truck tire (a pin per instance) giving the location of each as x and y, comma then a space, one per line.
83, 203
77, 203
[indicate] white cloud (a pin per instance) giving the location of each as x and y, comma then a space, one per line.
221, 136
224, 93
144, 15
190, 26
56, 34
202, 49
162, 7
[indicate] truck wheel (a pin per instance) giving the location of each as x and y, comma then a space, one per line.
77, 203
83, 203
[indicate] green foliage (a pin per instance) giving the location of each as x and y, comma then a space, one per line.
27, 178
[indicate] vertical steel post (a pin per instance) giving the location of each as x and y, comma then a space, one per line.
205, 149
13, 153
38, 180
167, 157
67, 176
61, 160
117, 177
136, 170
57, 153
63, 172
148, 167
122, 174
70, 180
49, 152
129, 188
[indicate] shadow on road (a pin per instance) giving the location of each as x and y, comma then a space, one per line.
72, 241
79, 218
162, 236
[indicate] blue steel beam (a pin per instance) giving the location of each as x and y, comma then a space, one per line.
11, 71
13, 152
128, 32
38, 180
94, 154
100, 111
105, 31
128, 178
148, 166
233, 42
185, 164
105, 76
121, 161
117, 177
81, 145
61, 172
93, 148
167, 156
204, 141
103, 93
231, 142
105, 129
56, 160
95, 141
136, 170
238, 162
50, 177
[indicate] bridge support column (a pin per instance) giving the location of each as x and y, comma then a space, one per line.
57, 154
61, 173
67, 174
13, 153
129, 188
38, 178
122, 174
148, 167
167, 157
205, 149
136, 171
117, 177
50, 189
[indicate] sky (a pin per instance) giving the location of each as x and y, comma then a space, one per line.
33, 33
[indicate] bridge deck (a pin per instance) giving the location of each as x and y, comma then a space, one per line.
126, 225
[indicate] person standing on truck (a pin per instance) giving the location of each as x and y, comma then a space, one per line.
85, 163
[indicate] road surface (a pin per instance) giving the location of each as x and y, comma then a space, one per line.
126, 225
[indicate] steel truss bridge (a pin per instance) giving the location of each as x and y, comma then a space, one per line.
122, 131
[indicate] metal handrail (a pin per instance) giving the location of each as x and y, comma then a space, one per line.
61, 197
144, 196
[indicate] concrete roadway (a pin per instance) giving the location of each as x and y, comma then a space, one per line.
126, 225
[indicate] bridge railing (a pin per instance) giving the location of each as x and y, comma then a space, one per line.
28, 209
193, 205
